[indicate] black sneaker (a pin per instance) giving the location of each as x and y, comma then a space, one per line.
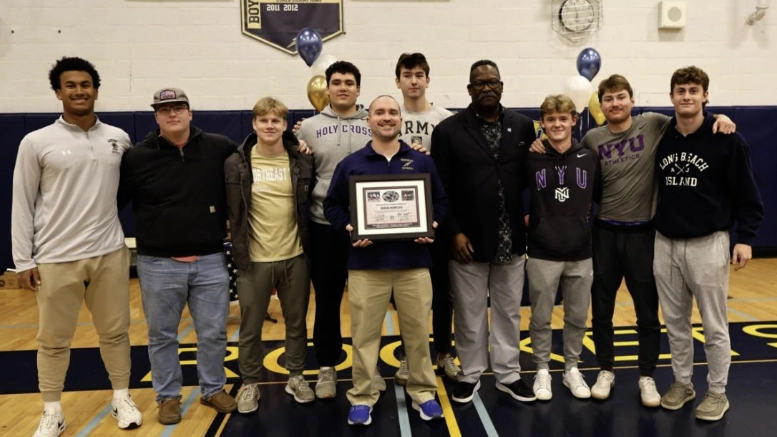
518, 390
465, 391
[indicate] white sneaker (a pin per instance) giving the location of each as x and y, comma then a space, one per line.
604, 383
126, 413
648, 392
51, 425
542, 385
575, 382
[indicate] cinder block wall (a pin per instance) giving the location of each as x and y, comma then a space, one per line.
142, 45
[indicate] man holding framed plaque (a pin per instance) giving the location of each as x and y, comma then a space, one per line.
389, 198
480, 154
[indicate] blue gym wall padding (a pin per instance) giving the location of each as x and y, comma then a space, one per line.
754, 122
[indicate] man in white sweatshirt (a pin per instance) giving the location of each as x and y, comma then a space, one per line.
419, 117
68, 244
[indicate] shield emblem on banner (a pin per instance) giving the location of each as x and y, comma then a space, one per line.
277, 22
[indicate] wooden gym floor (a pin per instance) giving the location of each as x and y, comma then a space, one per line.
752, 313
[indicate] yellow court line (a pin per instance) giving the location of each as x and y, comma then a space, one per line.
445, 403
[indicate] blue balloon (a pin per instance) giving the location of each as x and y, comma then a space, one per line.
588, 63
309, 45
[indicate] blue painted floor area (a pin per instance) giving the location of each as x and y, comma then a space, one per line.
751, 393
279, 415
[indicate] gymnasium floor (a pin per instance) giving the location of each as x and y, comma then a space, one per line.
751, 390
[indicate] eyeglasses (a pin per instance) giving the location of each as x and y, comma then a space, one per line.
177, 109
480, 84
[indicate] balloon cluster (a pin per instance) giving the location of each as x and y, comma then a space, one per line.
579, 88
309, 46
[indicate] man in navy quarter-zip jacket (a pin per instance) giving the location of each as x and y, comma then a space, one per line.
374, 270
705, 184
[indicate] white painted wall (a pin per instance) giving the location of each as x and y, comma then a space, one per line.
139, 46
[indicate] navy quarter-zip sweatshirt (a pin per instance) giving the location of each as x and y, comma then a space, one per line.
383, 254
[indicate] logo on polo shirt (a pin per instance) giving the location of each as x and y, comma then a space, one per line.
114, 146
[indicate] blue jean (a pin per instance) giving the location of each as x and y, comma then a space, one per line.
166, 287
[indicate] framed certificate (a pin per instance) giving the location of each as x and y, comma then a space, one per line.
391, 207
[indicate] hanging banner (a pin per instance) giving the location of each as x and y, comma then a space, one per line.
277, 22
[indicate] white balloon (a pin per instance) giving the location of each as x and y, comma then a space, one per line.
322, 63
579, 89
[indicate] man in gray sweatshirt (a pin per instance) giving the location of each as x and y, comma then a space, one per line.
68, 244
339, 130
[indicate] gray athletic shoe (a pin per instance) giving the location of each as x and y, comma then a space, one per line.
299, 388
677, 396
326, 386
713, 407
248, 398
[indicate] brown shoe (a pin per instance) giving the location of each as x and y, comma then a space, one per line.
170, 411
221, 402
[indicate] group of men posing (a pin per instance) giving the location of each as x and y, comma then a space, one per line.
667, 189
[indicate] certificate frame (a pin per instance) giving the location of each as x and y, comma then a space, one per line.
391, 207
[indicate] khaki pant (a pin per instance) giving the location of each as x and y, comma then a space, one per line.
368, 296
103, 282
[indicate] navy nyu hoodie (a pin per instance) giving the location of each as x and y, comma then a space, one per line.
562, 187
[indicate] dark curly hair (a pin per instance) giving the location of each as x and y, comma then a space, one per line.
343, 67
72, 64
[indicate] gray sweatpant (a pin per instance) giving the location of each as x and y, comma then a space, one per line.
576, 278
472, 284
688, 268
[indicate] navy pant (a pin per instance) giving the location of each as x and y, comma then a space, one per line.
328, 264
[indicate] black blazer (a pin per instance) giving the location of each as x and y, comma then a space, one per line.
470, 175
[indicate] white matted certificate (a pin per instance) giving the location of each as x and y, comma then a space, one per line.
391, 207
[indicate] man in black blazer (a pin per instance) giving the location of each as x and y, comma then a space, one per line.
480, 154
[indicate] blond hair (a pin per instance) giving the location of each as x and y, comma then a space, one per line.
266, 105
557, 103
